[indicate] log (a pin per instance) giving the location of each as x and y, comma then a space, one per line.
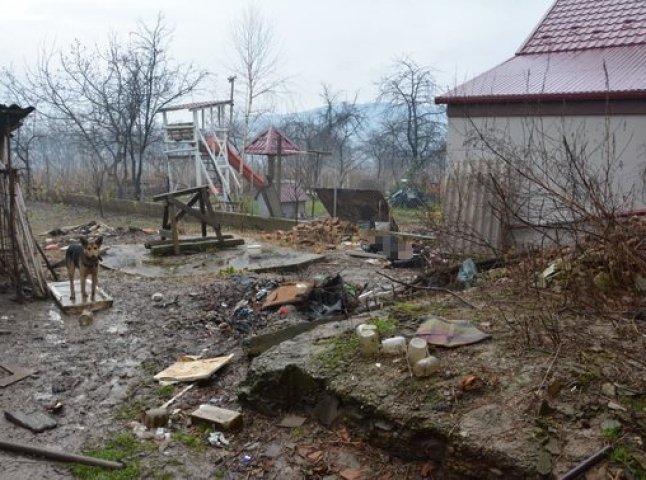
154, 243
58, 455
196, 246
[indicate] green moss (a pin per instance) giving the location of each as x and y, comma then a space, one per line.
341, 351
122, 448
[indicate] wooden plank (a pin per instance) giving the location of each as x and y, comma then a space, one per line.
193, 212
61, 293
190, 203
152, 243
211, 213
203, 212
196, 246
165, 224
178, 193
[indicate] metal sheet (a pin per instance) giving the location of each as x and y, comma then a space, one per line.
356, 205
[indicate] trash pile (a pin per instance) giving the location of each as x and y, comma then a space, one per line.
254, 300
330, 231
91, 228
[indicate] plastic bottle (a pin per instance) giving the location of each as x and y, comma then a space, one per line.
417, 350
426, 366
394, 345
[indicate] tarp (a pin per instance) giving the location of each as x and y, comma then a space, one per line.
449, 333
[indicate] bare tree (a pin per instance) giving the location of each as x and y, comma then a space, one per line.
257, 62
109, 98
341, 123
412, 120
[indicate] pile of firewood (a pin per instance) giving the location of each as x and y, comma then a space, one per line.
331, 231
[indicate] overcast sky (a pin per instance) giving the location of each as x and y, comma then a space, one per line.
347, 44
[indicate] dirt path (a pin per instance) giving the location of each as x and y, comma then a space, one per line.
102, 374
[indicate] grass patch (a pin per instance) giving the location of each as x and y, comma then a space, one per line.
340, 352
165, 392
131, 410
385, 326
122, 448
625, 457
189, 440
297, 432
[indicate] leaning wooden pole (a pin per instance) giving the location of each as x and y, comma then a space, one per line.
58, 455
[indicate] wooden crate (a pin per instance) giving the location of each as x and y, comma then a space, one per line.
61, 293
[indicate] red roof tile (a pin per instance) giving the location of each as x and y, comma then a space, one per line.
559, 75
584, 24
267, 143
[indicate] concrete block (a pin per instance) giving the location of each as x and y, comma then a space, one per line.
221, 418
36, 422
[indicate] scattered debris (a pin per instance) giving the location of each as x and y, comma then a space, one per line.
193, 370
37, 422
222, 418
449, 333
217, 439
13, 374
156, 417
330, 231
467, 272
86, 318
288, 294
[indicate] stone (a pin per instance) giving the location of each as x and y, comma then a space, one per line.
157, 297
292, 421
37, 422
273, 450
608, 389
156, 417
221, 418
327, 409
610, 424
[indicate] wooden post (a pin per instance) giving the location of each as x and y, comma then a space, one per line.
173, 227
203, 211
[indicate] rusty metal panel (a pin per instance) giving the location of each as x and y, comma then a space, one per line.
355, 205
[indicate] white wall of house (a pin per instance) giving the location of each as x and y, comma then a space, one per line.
618, 141
627, 134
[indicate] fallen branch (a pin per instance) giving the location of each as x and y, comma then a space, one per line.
432, 289
549, 369
587, 464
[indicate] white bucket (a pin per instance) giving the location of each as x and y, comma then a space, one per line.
417, 350
368, 341
394, 345
426, 366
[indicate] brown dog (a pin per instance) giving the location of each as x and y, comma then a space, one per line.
84, 256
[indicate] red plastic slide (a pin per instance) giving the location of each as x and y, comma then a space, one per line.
235, 160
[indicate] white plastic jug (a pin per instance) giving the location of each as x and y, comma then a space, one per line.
417, 350
394, 345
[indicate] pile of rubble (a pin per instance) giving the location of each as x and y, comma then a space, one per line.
330, 231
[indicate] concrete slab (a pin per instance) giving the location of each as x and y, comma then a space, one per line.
36, 422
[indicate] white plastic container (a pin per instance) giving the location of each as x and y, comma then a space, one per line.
365, 326
369, 342
394, 346
417, 349
426, 366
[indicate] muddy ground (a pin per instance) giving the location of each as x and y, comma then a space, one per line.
102, 374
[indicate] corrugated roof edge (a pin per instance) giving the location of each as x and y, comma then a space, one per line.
534, 98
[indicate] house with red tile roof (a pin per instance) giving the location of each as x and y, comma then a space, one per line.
575, 88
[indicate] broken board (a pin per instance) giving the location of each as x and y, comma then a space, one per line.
193, 370
61, 293
11, 374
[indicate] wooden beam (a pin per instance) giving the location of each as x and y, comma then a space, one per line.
190, 203
196, 246
152, 243
173, 225
193, 212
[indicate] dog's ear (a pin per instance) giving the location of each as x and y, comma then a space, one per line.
83, 241
99, 241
